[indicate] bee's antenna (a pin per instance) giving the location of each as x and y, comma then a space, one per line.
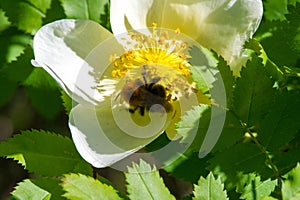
144, 75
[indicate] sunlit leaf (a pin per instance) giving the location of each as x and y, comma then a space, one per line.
84, 9
27, 190
144, 182
291, 186
26, 15
257, 189
55, 12
13, 43
268, 198
78, 186
275, 9
20, 69
4, 23
67, 101
210, 189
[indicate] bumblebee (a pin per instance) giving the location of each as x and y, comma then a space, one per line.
143, 95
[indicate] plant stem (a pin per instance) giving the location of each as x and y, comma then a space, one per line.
266, 153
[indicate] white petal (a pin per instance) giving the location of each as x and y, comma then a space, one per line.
134, 11
99, 140
63, 49
221, 25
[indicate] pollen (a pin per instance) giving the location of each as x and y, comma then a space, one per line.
156, 48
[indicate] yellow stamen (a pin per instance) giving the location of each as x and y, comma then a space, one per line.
154, 49
154, 25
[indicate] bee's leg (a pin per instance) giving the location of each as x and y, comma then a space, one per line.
132, 110
142, 111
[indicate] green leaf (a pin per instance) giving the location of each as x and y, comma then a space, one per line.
4, 23
26, 15
293, 28
282, 43
194, 130
46, 101
257, 189
293, 2
209, 189
275, 9
279, 127
232, 133
253, 93
204, 68
78, 186
268, 198
291, 186
145, 183
105, 17
188, 125
14, 62
41, 150
224, 78
84, 9
243, 157
39, 78
67, 101
43, 93
287, 157
55, 12
191, 163
204, 112
13, 43
20, 69
27, 190
52, 185
275, 72
103, 180
158, 143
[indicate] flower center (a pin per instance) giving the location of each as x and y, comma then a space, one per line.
152, 88
157, 48
153, 73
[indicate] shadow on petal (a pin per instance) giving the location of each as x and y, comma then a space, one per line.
99, 140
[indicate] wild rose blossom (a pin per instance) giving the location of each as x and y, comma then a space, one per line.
130, 88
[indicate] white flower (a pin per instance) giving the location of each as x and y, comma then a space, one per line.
221, 25
115, 84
